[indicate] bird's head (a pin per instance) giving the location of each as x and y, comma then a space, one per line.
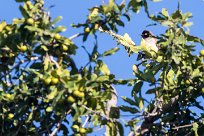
146, 34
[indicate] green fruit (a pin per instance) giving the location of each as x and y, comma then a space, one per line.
22, 48
187, 82
87, 29
81, 95
54, 80
202, 90
57, 36
78, 94
30, 21
70, 99
8, 96
82, 130
10, 115
47, 81
202, 53
64, 48
75, 128
159, 58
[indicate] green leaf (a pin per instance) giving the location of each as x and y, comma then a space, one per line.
110, 52
2, 25
46, 63
135, 68
49, 109
170, 77
102, 78
85, 37
44, 47
110, 4
57, 19
176, 59
195, 39
137, 88
196, 73
187, 24
23, 12
129, 109
53, 94
165, 12
151, 91
30, 115
59, 29
120, 23
141, 104
167, 23
36, 65
128, 100
127, 16
101, 66
34, 29
187, 15
120, 128
195, 127
94, 54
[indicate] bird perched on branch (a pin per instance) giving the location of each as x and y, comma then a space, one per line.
149, 41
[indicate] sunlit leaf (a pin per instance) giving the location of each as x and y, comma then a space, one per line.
165, 12
141, 104
128, 100
57, 19
110, 52
52, 94
49, 109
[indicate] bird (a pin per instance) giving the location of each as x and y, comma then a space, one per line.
150, 40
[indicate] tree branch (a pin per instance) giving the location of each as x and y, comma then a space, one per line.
178, 127
155, 114
54, 132
85, 122
75, 36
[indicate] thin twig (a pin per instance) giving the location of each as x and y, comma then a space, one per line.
101, 114
85, 122
123, 2
55, 62
178, 127
54, 132
75, 36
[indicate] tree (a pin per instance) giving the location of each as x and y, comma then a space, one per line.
43, 92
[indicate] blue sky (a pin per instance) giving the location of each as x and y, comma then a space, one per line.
76, 11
